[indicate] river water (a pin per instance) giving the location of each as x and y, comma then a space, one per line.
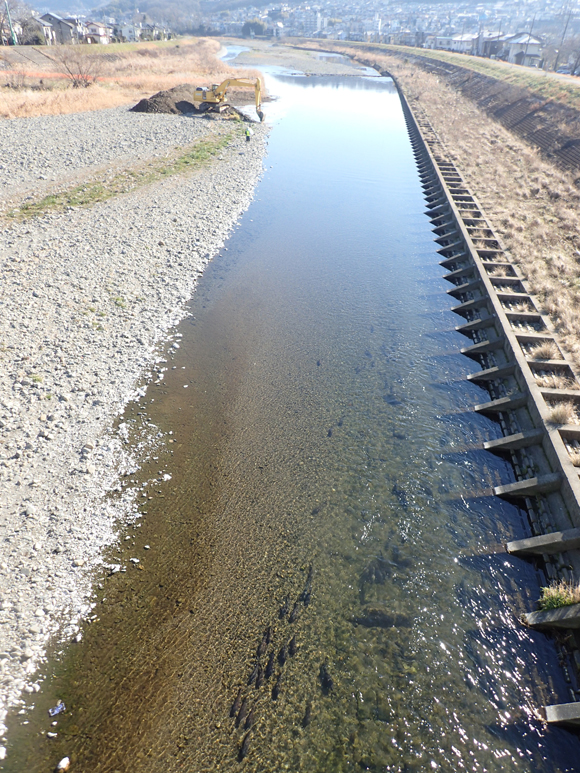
327, 485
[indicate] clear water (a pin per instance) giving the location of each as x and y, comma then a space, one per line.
326, 425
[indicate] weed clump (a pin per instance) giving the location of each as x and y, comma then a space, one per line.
561, 594
555, 381
563, 413
547, 350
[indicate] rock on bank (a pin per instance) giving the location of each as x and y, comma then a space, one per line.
87, 300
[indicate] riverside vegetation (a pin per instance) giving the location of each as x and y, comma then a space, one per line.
533, 205
116, 74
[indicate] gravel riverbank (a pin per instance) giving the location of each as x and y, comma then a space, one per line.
88, 299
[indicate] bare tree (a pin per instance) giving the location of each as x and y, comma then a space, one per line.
80, 67
19, 11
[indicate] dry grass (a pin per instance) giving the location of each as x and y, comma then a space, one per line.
547, 350
499, 271
518, 307
575, 458
555, 381
127, 73
560, 594
563, 413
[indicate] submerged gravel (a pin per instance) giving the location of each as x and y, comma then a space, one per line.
88, 299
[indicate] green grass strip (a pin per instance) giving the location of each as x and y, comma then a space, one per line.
89, 193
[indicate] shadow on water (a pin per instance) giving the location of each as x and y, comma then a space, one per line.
320, 593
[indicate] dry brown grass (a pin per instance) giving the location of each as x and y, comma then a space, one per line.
519, 306
499, 271
575, 458
563, 413
547, 350
559, 594
555, 381
128, 73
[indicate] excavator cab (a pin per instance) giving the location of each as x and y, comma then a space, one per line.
211, 99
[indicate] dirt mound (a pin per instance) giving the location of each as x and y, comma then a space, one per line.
178, 100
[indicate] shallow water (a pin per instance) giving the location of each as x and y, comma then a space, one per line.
325, 466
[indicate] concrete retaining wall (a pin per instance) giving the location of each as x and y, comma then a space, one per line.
533, 388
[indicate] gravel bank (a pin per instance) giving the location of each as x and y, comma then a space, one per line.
62, 149
87, 302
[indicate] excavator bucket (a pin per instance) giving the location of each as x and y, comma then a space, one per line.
260, 115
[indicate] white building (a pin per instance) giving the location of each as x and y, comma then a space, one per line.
523, 49
98, 32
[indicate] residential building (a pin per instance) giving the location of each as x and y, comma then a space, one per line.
64, 31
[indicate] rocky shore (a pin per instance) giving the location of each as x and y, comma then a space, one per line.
88, 299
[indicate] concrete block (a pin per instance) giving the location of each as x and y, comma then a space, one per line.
513, 442
491, 374
467, 287
563, 714
556, 542
517, 400
474, 303
564, 617
477, 324
482, 347
543, 484
568, 394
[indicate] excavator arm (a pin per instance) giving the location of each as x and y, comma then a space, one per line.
217, 94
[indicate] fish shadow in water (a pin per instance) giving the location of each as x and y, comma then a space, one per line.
377, 617
401, 495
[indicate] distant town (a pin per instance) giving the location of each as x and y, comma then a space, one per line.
537, 34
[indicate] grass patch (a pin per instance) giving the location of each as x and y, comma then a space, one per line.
563, 413
128, 180
547, 350
561, 594
127, 72
555, 381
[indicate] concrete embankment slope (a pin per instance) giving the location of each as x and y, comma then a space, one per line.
531, 113
534, 390
88, 297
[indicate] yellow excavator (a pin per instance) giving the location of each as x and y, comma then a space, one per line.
212, 98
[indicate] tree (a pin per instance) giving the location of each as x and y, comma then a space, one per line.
255, 26
19, 12
32, 34
80, 67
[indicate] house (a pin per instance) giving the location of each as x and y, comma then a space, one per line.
36, 32
523, 49
98, 32
80, 30
127, 33
64, 31
439, 42
465, 44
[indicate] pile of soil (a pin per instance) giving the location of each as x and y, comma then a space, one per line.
178, 100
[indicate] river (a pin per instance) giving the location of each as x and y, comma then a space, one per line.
329, 505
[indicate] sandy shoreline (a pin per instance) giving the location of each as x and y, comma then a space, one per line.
88, 299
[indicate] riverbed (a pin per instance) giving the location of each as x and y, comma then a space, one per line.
318, 548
